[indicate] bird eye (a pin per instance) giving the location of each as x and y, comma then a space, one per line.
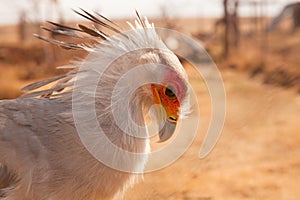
169, 93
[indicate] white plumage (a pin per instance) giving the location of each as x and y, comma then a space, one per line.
42, 156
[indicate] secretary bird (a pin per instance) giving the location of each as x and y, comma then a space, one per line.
43, 155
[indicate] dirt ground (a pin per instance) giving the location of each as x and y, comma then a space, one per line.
257, 156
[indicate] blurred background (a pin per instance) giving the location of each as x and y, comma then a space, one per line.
255, 44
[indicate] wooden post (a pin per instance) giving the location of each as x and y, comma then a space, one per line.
226, 27
22, 26
235, 23
296, 15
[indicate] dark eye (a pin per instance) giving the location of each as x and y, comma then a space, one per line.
169, 93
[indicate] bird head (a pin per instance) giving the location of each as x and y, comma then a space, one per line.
139, 46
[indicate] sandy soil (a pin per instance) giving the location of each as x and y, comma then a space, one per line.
257, 156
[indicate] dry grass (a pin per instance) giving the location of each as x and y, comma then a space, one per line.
273, 57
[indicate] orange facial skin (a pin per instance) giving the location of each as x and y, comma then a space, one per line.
170, 103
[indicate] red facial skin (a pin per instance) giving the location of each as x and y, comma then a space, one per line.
170, 104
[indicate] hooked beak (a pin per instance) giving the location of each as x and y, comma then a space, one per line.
166, 131
166, 116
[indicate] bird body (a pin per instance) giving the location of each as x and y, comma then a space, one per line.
42, 156
60, 169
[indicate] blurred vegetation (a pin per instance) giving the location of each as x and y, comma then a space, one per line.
270, 55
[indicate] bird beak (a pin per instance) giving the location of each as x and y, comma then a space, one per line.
166, 131
167, 117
